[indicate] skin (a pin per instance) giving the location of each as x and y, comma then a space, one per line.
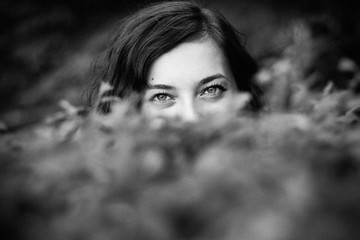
190, 82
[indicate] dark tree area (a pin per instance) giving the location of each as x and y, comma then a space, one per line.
46, 51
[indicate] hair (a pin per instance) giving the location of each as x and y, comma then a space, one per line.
142, 37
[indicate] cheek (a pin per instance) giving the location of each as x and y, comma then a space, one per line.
151, 111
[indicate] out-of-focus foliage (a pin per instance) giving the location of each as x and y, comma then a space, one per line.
46, 52
274, 176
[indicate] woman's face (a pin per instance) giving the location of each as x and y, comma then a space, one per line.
189, 82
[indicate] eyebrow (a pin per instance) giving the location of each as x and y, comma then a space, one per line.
202, 82
211, 78
161, 86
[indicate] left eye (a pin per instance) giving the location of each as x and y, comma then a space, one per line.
213, 91
162, 98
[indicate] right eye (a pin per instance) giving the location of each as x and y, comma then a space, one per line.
162, 98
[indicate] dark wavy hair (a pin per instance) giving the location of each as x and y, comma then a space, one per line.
144, 36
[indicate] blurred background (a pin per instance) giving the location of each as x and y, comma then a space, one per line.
47, 47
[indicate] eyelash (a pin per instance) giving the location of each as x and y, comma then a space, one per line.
159, 94
215, 85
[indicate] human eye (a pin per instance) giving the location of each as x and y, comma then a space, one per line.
213, 91
162, 98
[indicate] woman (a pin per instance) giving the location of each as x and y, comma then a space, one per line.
184, 61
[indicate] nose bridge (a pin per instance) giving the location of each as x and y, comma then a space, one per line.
189, 111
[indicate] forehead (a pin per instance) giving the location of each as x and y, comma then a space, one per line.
187, 63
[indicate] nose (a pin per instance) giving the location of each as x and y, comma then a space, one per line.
189, 112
